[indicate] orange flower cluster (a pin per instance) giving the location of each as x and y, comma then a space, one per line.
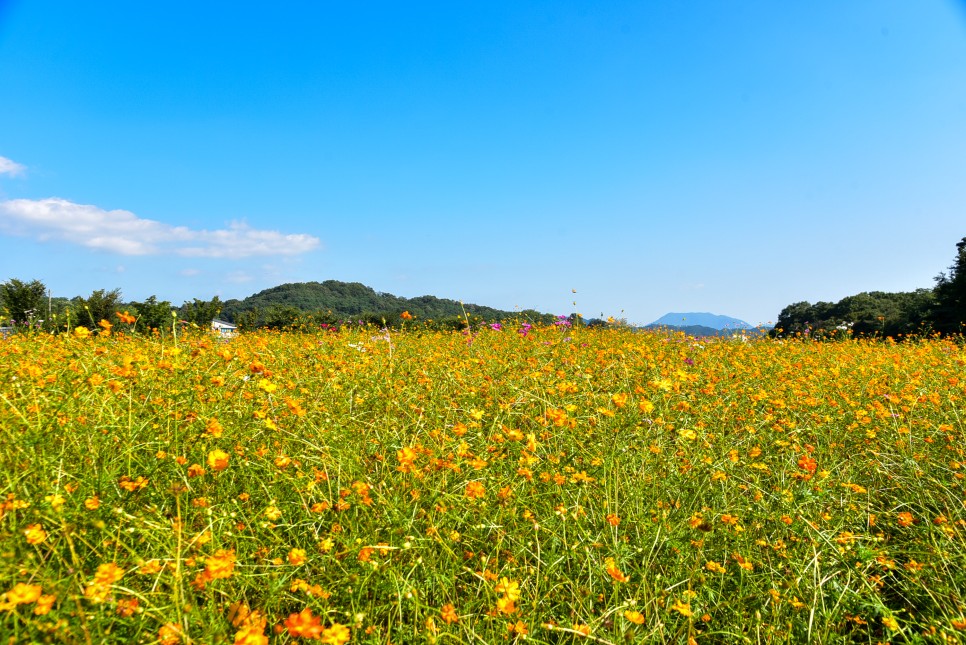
306, 625
26, 594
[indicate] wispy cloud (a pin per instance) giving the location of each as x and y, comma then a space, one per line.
10, 167
124, 233
239, 277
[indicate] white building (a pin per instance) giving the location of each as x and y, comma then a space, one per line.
223, 329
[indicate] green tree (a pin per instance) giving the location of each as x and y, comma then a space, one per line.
100, 305
24, 302
153, 314
282, 317
949, 314
248, 320
804, 318
201, 312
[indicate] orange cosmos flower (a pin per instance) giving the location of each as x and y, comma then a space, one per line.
214, 428
635, 617
406, 315
108, 573
304, 624
218, 459
23, 594
905, 518
220, 565
132, 485
505, 605
475, 490
448, 613
296, 557
615, 572
252, 630
806, 463
44, 604
336, 634
683, 608
646, 407
169, 634
35, 534
127, 606
100, 587
125, 317
406, 456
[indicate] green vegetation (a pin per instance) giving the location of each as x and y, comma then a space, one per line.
303, 306
894, 315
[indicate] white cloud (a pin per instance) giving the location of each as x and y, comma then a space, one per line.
125, 233
239, 277
189, 273
10, 167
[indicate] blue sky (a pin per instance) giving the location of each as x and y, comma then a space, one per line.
732, 157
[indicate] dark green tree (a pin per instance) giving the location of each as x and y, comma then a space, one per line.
100, 305
248, 320
25, 302
949, 314
152, 314
282, 317
201, 312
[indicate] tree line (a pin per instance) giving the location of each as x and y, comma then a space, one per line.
28, 305
940, 310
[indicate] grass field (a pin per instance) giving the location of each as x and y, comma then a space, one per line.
555, 485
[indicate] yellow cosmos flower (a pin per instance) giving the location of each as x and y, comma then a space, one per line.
683, 608
23, 594
509, 588
35, 534
635, 617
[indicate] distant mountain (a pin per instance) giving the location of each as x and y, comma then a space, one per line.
695, 319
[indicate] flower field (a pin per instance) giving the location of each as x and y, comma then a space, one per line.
549, 484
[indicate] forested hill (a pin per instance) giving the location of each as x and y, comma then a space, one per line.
354, 299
